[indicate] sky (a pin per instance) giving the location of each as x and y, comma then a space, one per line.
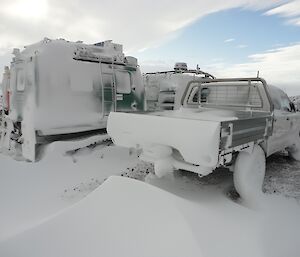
227, 38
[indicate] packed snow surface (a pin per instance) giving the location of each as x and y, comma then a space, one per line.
100, 200
208, 114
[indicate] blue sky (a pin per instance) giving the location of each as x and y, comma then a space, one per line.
228, 36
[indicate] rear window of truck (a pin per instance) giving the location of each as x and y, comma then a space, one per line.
231, 95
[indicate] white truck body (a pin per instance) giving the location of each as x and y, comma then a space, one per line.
208, 132
57, 88
152, 132
164, 89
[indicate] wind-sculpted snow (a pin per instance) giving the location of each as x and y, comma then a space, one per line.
69, 205
121, 218
31, 192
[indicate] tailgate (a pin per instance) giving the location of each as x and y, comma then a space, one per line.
196, 140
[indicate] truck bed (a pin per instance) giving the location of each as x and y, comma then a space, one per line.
149, 130
199, 135
246, 125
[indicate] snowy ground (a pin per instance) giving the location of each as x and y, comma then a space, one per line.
84, 203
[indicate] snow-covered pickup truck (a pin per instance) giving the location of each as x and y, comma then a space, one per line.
234, 123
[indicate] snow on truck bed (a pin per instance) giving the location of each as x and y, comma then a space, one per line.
209, 114
199, 114
65, 206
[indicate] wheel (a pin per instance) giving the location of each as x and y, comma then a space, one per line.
294, 151
163, 167
249, 173
162, 159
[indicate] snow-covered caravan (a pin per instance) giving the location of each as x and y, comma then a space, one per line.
164, 89
57, 88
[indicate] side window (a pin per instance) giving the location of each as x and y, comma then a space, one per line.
199, 95
285, 104
276, 103
20, 80
123, 82
194, 96
280, 99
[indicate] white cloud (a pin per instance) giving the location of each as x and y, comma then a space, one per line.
229, 40
156, 65
290, 10
280, 67
26, 9
295, 21
135, 23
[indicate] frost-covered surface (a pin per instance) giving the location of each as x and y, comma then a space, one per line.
209, 114
64, 205
130, 130
158, 84
59, 77
54, 79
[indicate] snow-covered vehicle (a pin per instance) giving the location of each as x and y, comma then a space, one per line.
234, 123
164, 89
57, 89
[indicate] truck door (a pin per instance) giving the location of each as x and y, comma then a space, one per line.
125, 97
283, 120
